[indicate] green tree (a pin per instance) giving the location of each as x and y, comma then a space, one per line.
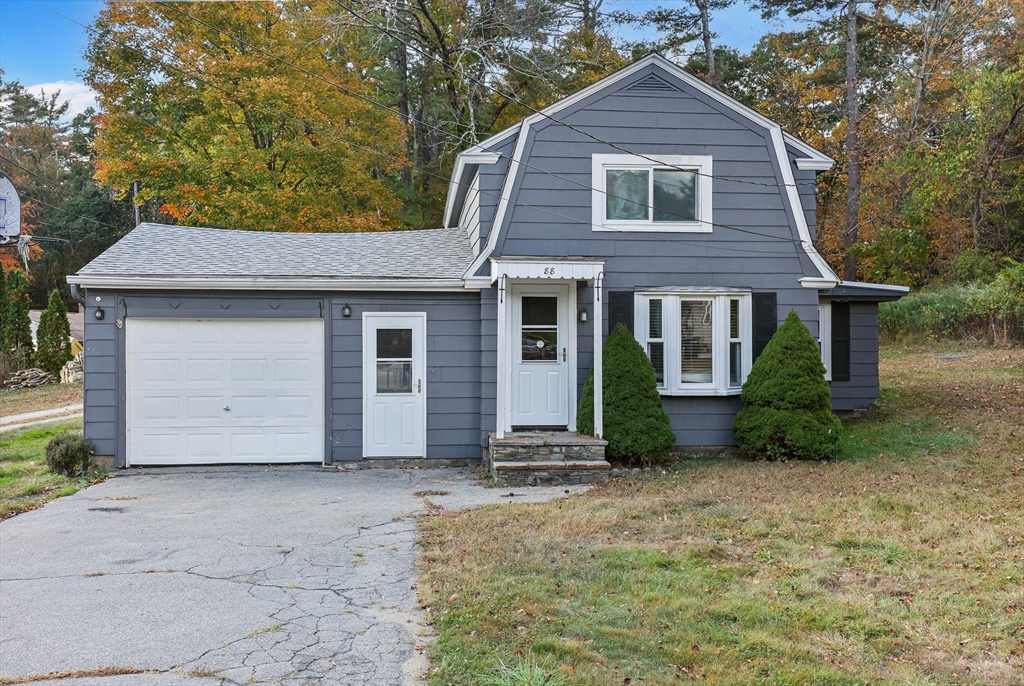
17, 325
635, 424
217, 111
53, 336
787, 409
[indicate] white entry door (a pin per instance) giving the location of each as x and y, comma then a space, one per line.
540, 349
217, 391
394, 384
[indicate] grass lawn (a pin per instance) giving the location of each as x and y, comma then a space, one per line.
25, 482
902, 563
41, 398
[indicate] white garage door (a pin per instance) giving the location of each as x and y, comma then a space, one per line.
219, 391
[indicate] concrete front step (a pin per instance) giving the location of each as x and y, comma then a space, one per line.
551, 473
535, 458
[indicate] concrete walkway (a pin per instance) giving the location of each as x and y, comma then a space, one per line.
17, 421
293, 576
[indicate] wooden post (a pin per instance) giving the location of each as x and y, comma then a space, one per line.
598, 361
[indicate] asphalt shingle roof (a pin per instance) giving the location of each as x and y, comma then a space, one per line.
160, 250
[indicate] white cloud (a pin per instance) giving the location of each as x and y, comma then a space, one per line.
78, 94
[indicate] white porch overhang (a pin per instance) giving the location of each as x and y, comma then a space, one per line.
540, 269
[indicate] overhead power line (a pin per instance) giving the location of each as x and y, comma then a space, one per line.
329, 134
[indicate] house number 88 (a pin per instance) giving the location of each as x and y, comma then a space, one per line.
549, 271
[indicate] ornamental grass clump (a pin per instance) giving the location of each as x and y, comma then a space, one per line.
68, 454
635, 424
787, 408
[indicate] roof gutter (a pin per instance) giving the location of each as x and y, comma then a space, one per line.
176, 283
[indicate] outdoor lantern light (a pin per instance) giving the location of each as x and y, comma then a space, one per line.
584, 315
98, 313
346, 310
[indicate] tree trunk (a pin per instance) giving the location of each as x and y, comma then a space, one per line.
705, 31
852, 145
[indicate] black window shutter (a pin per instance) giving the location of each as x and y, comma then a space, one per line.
840, 341
620, 309
766, 319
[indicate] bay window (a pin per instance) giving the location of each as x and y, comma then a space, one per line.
699, 341
656, 193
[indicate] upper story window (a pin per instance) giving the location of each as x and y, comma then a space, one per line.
664, 193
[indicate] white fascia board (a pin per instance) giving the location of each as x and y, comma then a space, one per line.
819, 283
879, 286
266, 284
496, 139
461, 160
807, 164
815, 160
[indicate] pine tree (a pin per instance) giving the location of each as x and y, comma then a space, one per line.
787, 408
54, 336
17, 325
635, 424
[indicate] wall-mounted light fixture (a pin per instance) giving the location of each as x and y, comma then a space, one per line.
346, 310
98, 314
584, 315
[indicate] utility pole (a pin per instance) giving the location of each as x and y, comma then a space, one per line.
135, 202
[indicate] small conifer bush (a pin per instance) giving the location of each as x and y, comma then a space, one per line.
635, 424
17, 333
787, 409
54, 336
68, 454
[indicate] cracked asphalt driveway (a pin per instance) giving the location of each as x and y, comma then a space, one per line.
293, 575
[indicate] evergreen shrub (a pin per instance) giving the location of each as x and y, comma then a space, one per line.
787, 409
53, 336
635, 424
68, 454
18, 350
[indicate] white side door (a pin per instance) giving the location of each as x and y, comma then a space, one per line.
539, 345
394, 384
222, 391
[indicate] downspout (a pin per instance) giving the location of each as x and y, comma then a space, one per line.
75, 295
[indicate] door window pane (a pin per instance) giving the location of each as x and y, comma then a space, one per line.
540, 345
626, 193
394, 344
674, 196
540, 311
695, 333
394, 377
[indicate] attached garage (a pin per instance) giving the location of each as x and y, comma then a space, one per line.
211, 346
206, 391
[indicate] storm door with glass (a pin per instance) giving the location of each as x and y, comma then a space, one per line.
394, 395
540, 356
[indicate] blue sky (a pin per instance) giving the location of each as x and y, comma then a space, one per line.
44, 50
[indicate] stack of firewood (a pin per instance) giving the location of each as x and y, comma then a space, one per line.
73, 371
28, 378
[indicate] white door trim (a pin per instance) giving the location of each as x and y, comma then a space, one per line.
419, 362
507, 348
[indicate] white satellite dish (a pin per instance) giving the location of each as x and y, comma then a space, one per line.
10, 211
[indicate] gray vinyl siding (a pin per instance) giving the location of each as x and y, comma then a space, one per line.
805, 184
102, 392
488, 363
470, 219
491, 177
754, 244
453, 371
861, 391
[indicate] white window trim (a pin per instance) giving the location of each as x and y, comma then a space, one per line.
825, 336
701, 164
672, 386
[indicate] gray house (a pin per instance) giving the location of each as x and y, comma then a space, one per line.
648, 199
